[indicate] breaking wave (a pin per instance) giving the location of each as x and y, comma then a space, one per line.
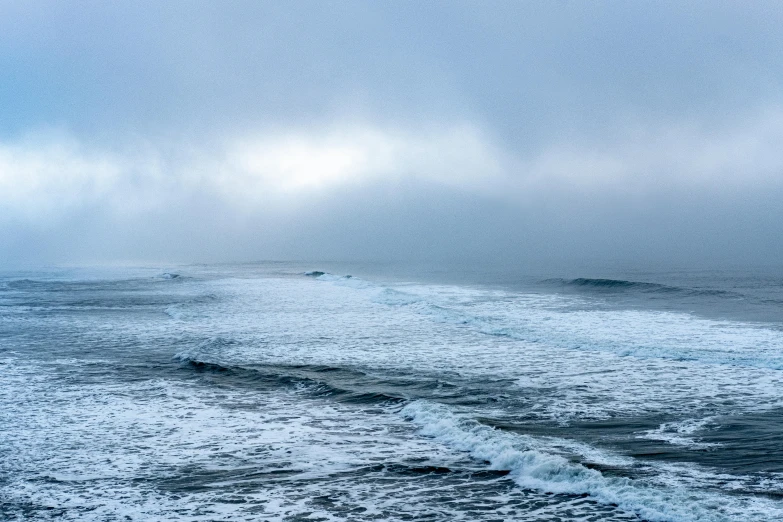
534, 468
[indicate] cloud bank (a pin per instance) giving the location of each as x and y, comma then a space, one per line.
48, 175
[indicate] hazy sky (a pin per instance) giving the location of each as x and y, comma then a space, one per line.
530, 132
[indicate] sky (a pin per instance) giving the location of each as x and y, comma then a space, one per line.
640, 133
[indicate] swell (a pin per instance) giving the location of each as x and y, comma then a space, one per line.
95, 285
623, 285
92, 301
348, 385
339, 384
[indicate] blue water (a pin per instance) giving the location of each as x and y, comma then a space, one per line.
257, 392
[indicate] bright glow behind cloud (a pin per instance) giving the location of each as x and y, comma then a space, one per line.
52, 176
47, 177
301, 162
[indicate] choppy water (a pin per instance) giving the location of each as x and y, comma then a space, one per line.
261, 393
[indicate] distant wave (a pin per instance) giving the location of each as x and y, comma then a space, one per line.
71, 285
185, 309
33, 284
326, 275
610, 283
621, 285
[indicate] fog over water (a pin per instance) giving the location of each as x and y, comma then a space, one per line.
640, 134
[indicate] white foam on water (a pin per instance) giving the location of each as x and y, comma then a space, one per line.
573, 322
176, 312
682, 433
551, 341
161, 449
575, 360
536, 469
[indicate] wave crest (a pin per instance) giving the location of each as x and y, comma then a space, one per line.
532, 467
624, 285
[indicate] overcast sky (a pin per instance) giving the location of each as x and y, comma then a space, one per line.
530, 132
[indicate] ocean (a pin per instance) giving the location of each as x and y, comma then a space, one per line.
293, 392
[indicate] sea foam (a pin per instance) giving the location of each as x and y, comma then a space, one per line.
535, 469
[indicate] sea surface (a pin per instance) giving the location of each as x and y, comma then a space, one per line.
290, 391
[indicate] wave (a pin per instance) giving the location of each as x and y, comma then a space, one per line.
36, 284
300, 377
620, 285
175, 312
532, 467
611, 283
97, 285
342, 383
184, 310
326, 276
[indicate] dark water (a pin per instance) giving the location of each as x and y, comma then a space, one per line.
256, 392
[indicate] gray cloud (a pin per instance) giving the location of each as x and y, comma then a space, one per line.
444, 131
